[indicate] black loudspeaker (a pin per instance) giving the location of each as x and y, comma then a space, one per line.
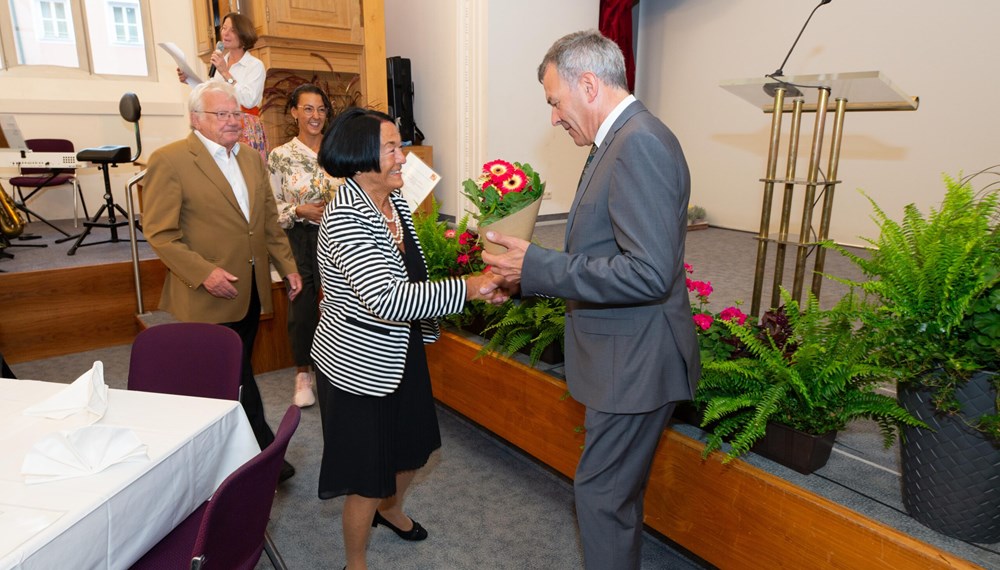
400, 94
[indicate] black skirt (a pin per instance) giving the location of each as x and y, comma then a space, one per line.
368, 439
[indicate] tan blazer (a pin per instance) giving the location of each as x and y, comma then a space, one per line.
193, 222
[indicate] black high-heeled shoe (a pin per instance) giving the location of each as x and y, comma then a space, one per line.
416, 533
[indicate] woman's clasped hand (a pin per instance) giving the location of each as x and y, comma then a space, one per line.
486, 287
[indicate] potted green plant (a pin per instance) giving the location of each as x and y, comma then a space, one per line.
696, 218
507, 198
934, 281
800, 376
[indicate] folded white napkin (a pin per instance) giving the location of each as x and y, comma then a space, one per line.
83, 451
88, 394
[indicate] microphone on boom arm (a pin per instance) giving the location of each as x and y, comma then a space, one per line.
790, 90
220, 47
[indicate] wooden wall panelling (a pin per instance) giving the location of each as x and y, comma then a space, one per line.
374, 84
272, 350
337, 21
60, 311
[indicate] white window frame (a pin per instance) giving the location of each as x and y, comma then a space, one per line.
133, 32
8, 52
41, 20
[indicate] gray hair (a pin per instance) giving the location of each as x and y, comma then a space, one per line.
577, 53
196, 98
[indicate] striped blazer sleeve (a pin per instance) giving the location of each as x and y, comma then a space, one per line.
378, 278
368, 302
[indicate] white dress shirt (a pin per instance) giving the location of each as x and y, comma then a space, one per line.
231, 170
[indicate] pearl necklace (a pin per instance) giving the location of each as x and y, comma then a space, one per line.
398, 234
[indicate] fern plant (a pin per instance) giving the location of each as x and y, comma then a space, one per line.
448, 252
452, 252
935, 281
538, 322
805, 368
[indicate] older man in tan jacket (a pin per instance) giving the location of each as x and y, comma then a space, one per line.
209, 214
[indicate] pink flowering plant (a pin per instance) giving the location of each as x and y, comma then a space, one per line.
716, 340
501, 189
448, 251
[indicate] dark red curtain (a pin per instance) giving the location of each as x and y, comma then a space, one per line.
616, 24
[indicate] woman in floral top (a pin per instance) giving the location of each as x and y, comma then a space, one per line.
301, 190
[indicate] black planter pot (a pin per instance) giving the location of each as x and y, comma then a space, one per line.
951, 475
551, 354
795, 449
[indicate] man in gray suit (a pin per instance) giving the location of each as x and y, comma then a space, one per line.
631, 349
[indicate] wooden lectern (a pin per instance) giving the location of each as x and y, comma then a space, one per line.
837, 92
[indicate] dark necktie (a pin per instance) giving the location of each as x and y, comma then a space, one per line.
590, 157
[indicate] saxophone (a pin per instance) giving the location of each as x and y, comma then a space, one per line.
11, 221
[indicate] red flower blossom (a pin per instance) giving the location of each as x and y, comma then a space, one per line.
465, 237
492, 183
703, 321
688, 268
498, 168
702, 288
463, 259
513, 183
733, 314
449, 234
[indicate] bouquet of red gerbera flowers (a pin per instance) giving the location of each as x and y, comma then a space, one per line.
503, 189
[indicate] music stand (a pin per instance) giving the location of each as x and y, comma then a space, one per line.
837, 92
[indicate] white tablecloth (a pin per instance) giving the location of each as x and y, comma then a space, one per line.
110, 519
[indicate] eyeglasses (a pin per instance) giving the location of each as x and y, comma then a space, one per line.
309, 110
225, 115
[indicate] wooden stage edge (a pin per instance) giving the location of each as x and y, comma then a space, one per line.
62, 311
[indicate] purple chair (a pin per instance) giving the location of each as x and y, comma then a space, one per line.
38, 178
228, 531
188, 359
192, 359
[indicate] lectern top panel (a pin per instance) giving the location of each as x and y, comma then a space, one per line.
863, 91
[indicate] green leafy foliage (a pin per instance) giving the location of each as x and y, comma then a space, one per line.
803, 367
537, 322
935, 299
448, 252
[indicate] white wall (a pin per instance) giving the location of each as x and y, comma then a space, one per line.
69, 104
513, 111
425, 32
945, 53
520, 127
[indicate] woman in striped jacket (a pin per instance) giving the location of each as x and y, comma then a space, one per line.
378, 310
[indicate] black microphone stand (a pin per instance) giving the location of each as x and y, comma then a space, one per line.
790, 90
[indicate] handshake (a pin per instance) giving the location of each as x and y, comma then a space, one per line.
503, 278
489, 287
